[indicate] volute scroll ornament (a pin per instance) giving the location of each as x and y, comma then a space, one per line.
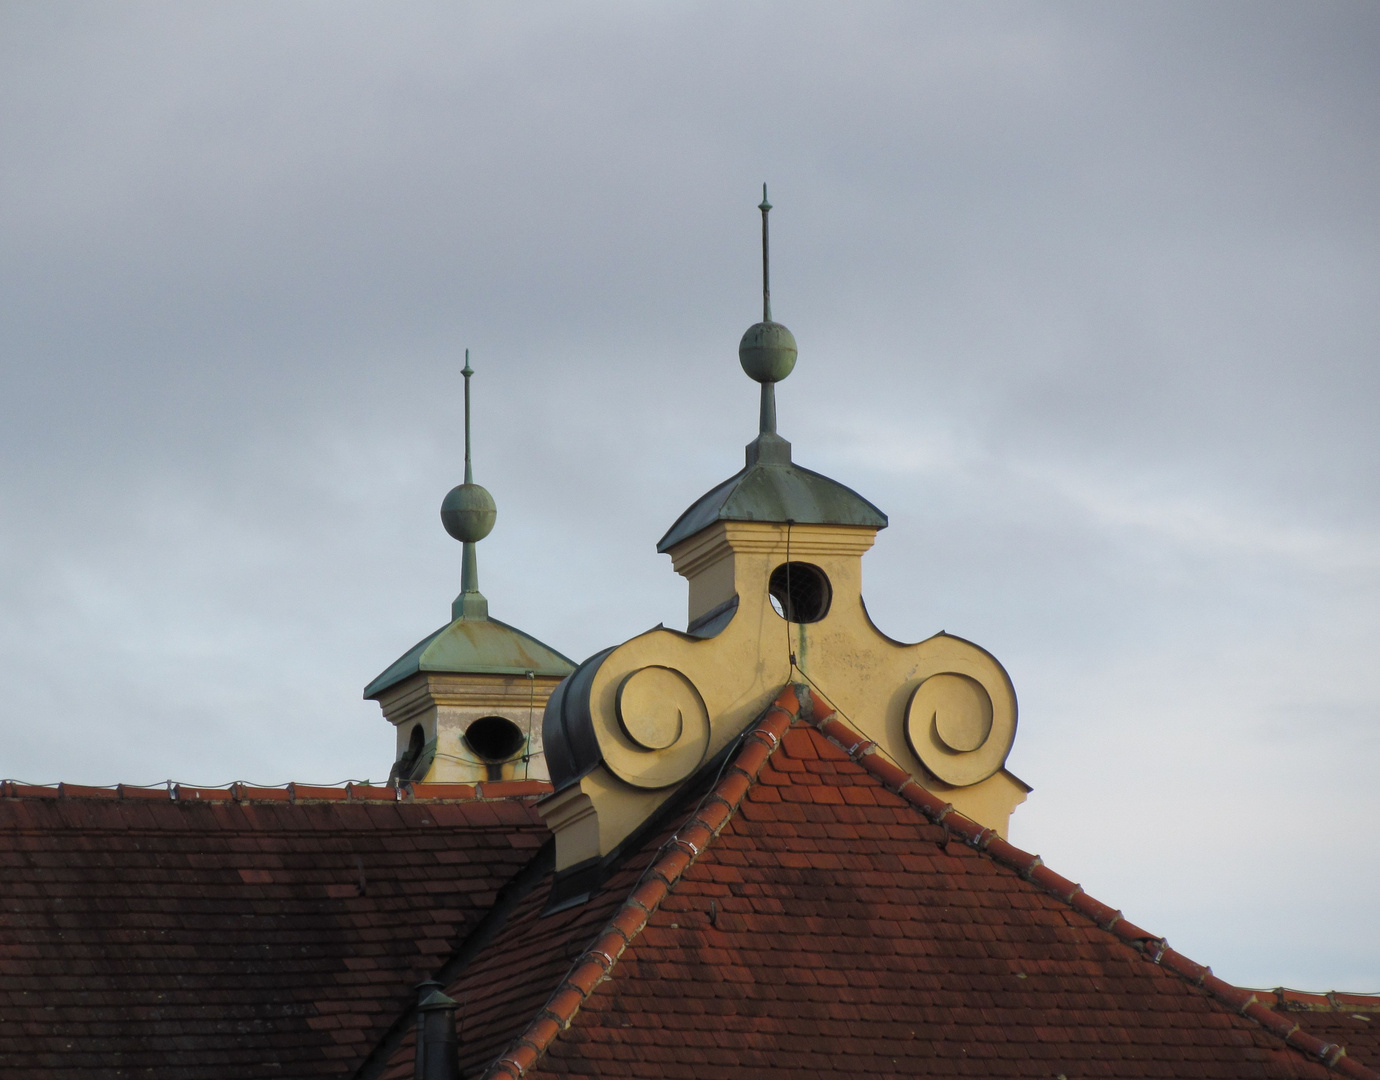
662, 731
962, 725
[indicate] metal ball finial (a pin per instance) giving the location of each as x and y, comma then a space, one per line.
767, 351
468, 511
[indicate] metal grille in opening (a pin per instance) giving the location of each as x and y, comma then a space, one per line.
800, 592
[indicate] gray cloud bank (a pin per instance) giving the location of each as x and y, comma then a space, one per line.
1086, 297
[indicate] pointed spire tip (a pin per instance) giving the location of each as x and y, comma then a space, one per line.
465, 371
468, 514
766, 261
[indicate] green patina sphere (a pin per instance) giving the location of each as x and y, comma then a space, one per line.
468, 513
767, 352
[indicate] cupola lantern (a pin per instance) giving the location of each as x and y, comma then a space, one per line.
466, 701
773, 560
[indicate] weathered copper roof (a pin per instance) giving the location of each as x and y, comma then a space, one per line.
477, 646
775, 491
815, 912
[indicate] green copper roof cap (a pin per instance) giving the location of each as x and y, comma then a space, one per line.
472, 643
771, 488
775, 493
470, 646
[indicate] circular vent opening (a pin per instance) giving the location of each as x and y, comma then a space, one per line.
494, 738
800, 592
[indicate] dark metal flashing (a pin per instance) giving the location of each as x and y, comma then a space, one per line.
415, 770
713, 621
575, 884
566, 730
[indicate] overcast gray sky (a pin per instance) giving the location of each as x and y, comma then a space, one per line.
1086, 297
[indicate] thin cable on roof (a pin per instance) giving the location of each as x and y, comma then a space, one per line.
876, 746
531, 715
795, 666
506, 761
785, 611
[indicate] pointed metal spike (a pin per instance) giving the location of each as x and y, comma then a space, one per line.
469, 471
766, 260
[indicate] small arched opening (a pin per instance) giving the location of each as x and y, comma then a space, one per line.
410, 766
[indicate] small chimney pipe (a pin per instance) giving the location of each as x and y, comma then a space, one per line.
438, 1056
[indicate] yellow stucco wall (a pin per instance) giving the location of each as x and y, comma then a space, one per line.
728, 680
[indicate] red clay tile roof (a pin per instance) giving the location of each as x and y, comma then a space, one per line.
817, 912
511, 980
1350, 1020
822, 914
249, 932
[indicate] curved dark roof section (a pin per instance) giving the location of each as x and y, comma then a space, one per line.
567, 729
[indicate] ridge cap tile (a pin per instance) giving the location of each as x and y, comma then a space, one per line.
1242, 1001
649, 908
135, 880
292, 791
668, 865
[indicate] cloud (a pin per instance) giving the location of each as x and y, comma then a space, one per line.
1085, 298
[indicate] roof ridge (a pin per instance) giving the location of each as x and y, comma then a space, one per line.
677, 855
292, 792
865, 753
1321, 1000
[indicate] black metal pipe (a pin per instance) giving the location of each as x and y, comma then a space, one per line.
438, 1056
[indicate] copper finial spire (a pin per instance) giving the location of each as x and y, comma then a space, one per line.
767, 353
468, 513
765, 207
467, 372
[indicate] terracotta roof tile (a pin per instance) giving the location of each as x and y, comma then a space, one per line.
814, 911
170, 934
503, 791
820, 912
1348, 1020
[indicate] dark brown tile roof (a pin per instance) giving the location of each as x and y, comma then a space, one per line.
813, 912
533, 955
248, 932
821, 914
1350, 1020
